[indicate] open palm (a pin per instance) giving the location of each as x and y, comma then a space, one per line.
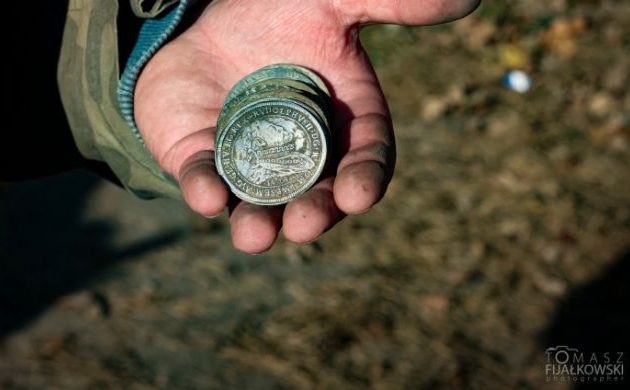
180, 92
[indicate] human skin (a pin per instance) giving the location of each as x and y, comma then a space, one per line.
180, 92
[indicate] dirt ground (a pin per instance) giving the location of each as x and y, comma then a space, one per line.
505, 231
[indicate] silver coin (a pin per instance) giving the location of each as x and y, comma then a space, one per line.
271, 151
276, 95
279, 71
278, 87
286, 95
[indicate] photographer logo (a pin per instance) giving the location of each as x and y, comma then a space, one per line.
566, 364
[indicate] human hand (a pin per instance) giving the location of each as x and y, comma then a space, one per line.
181, 90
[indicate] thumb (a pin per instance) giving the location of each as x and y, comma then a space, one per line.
202, 188
407, 12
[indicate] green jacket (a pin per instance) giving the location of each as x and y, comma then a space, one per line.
88, 77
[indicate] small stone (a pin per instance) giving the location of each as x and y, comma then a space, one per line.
601, 104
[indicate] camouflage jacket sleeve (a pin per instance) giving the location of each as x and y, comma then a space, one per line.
98, 102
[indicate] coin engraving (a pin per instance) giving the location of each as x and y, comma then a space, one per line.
271, 151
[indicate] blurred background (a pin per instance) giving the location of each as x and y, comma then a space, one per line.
505, 231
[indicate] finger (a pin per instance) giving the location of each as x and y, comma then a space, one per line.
172, 160
202, 188
255, 228
311, 214
366, 169
407, 12
364, 135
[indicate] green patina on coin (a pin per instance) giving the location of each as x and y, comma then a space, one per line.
285, 94
273, 133
281, 72
272, 86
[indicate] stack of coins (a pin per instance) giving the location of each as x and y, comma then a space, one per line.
273, 133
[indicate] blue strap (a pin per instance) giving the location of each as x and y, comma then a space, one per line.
153, 34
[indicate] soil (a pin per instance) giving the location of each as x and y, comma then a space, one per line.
505, 231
